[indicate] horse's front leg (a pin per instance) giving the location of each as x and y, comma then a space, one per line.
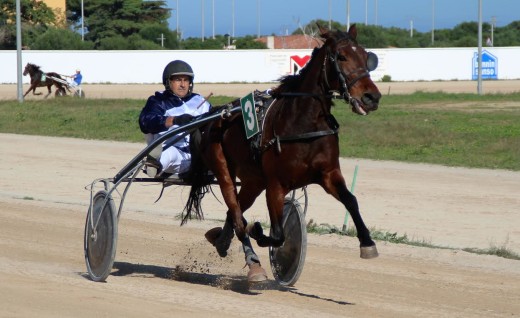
334, 184
33, 89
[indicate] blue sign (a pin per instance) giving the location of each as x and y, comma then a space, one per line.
489, 66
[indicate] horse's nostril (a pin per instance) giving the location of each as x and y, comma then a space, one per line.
371, 99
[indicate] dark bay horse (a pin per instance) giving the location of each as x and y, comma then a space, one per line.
41, 79
298, 146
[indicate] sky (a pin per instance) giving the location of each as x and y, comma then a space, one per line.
280, 17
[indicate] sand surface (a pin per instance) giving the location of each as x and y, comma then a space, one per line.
164, 270
9, 91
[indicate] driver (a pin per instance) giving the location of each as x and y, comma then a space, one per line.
171, 108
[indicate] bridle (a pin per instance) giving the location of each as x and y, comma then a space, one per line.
343, 78
346, 82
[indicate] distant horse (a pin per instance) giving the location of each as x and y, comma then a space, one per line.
41, 79
298, 146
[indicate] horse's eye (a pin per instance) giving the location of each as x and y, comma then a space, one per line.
341, 58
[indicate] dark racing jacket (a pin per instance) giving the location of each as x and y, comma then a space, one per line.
159, 106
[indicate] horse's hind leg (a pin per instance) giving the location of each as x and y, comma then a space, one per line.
49, 89
334, 184
275, 195
221, 237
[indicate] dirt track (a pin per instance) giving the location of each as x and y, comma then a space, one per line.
165, 270
9, 91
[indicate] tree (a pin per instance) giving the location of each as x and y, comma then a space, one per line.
60, 39
154, 32
112, 19
36, 16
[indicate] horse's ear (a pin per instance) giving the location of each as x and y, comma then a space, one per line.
323, 30
352, 32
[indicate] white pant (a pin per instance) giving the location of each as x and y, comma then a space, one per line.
174, 160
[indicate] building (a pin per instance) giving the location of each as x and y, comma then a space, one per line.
60, 10
297, 41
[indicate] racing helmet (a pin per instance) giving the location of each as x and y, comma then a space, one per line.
177, 67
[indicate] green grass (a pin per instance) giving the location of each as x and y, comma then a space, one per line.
421, 127
393, 237
449, 129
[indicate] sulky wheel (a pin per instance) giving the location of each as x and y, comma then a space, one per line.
100, 236
287, 260
79, 93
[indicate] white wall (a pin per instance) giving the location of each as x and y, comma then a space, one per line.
250, 65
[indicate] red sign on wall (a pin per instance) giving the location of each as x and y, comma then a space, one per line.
297, 63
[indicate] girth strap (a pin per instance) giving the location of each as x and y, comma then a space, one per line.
310, 135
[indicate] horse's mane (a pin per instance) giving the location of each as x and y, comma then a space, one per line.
290, 83
34, 66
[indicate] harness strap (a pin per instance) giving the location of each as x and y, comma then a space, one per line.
310, 135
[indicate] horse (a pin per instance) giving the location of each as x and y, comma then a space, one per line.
298, 146
41, 79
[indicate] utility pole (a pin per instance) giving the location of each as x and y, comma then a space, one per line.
82, 23
233, 18
479, 82
202, 20
433, 21
348, 14
366, 12
376, 12
257, 19
177, 27
19, 51
330, 18
213, 16
493, 22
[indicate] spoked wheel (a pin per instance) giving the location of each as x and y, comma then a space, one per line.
79, 93
287, 260
100, 236
60, 92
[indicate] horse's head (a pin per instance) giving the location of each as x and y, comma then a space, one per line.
30, 69
348, 71
26, 69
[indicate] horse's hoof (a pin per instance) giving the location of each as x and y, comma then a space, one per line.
255, 230
216, 236
256, 273
213, 234
368, 252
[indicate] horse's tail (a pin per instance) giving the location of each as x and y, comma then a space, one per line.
199, 178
